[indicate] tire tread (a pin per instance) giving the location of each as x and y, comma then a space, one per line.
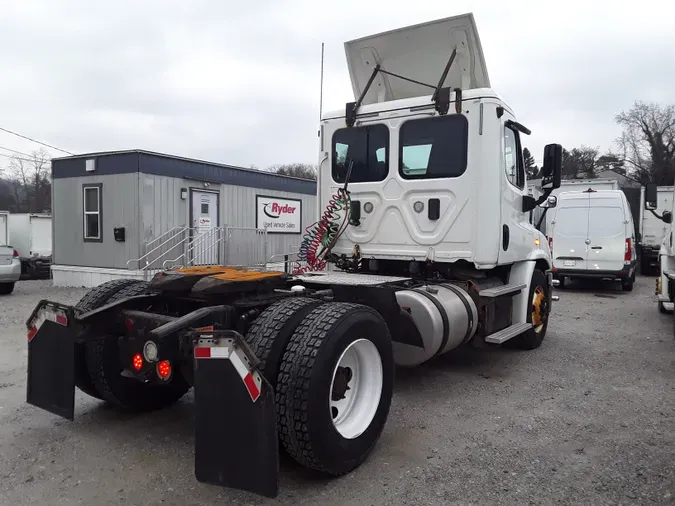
295, 377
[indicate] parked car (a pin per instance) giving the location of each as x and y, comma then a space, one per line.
10, 269
593, 236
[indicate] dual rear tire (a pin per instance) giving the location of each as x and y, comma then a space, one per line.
332, 366
98, 366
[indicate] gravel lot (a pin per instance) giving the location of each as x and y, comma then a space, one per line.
586, 419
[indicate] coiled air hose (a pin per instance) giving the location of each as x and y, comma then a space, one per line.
320, 236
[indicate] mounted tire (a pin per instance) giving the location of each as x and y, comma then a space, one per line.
270, 333
6, 288
105, 367
334, 387
627, 284
94, 299
538, 315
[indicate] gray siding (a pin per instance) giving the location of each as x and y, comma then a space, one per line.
119, 209
163, 209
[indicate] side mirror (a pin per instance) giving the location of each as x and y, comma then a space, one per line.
551, 169
667, 217
651, 196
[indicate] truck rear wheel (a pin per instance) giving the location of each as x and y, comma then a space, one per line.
269, 334
105, 370
93, 299
537, 315
334, 387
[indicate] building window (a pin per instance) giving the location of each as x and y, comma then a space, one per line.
91, 204
513, 159
433, 147
367, 147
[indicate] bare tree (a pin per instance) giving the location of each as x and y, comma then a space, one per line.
580, 162
301, 170
30, 179
648, 142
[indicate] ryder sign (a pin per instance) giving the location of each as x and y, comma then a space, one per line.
278, 215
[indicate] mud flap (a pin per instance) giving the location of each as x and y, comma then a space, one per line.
51, 361
236, 442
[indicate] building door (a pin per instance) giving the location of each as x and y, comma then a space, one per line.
206, 235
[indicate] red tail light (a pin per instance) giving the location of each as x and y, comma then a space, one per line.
550, 243
138, 361
629, 251
15, 254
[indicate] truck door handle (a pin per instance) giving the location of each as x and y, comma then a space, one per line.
596, 247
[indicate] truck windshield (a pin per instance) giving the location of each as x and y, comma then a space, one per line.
367, 147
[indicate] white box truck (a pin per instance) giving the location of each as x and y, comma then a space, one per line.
652, 228
31, 235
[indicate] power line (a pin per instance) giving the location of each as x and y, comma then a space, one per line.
38, 142
15, 151
31, 160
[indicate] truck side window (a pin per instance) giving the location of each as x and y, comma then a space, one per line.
513, 160
367, 147
433, 147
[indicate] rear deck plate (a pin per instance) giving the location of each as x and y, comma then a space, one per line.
348, 278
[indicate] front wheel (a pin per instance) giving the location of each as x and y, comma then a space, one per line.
538, 314
335, 387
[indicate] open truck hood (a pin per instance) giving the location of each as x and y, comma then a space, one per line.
418, 52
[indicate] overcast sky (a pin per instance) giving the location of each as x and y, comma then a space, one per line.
240, 84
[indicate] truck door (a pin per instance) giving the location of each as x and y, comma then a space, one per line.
570, 234
516, 233
606, 237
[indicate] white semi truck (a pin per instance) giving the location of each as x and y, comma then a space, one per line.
665, 282
424, 245
653, 229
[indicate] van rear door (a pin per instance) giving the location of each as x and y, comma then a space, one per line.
570, 231
607, 236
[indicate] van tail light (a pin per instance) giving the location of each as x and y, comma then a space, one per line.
550, 243
15, 254
629, 251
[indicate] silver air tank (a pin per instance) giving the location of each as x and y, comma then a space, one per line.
445, 316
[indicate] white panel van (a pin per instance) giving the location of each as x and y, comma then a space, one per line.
592, 236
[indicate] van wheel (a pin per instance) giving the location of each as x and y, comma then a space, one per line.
538, 315
627, 284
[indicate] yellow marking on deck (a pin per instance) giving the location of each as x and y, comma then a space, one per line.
203, 270
233, 274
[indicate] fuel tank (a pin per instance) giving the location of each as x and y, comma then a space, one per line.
445, 316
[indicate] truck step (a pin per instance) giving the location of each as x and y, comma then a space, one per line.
507, 333
498, 291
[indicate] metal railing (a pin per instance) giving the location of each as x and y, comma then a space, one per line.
182, 247
158, 248
200, 248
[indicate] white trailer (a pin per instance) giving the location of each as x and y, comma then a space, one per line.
652, 228
4, 228
425, 245
31, 235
